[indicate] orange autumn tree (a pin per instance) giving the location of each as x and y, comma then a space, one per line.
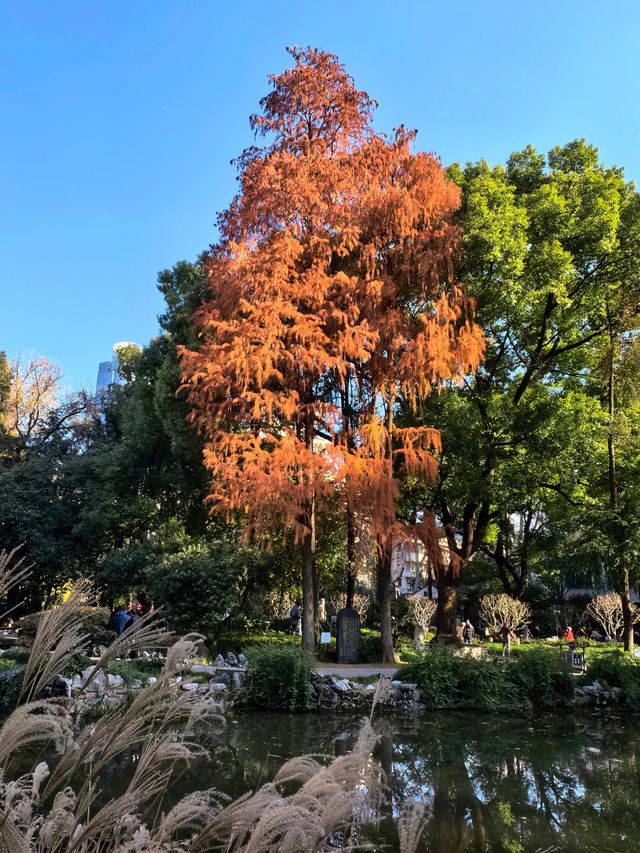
331, 280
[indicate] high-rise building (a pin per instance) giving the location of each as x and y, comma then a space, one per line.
109, 371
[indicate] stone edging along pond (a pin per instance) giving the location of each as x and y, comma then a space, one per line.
222, 684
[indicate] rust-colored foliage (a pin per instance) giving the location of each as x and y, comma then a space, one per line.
332, 275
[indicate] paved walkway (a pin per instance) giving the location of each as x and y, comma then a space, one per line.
353, 670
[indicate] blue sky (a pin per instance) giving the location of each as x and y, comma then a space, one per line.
118, 121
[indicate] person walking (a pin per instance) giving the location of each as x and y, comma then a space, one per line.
467, 633
506, 636
568, 635
135, 613
295, 618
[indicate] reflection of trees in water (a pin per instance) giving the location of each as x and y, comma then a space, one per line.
504, 785
491, 784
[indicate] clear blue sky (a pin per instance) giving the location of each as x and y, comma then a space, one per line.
119, 119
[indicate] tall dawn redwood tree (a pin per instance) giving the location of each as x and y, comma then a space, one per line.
331, 281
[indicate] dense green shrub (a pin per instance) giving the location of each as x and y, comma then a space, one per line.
370, 646
279, 677
402, 620
521, 682
95, 623
11, 676
199, 590
543, 677
132, 670
11, 657
617, 669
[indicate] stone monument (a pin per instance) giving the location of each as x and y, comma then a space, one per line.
348, 636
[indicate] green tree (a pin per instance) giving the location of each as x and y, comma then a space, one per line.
548, 242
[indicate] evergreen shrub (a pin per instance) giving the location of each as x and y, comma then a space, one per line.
279, 677
538, 679
617, 669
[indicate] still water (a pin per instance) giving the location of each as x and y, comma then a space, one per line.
546, 783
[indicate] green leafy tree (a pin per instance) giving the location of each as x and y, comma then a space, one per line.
548, 242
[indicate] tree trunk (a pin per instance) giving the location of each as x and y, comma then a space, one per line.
384, 601
351, 557
625, 593
627, 613
447, 607
308, 586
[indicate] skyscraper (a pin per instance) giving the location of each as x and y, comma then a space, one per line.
109, 371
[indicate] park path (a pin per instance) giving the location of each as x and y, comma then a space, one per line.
354, 670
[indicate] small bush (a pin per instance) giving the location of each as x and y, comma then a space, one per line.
370, 646
536, 679
279, 677
543, 676
11, 657
402, 618
617, 669
132, 670
10, 686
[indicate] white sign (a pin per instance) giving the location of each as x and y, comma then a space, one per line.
325, 637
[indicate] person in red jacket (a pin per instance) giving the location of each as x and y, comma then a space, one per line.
568, 635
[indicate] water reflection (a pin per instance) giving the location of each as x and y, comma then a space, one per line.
490, 783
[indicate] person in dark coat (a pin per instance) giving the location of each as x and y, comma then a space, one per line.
467, 633
295, 618
119, 620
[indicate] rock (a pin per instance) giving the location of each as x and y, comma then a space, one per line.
199, 668
396, 683
326, 696
237, 680
219, 662
136, 684
407, 688
218, 687
58, 686
86, 673
341, 684
97, 683
242, 661
77, 682
418, 638
191, 686
232, 660
617, 693
152, 679
114, 680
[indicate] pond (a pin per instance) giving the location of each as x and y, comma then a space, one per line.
491, 783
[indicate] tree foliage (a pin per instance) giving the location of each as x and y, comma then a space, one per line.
333, 271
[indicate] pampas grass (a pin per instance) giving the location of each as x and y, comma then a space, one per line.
314, 802
331, 799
